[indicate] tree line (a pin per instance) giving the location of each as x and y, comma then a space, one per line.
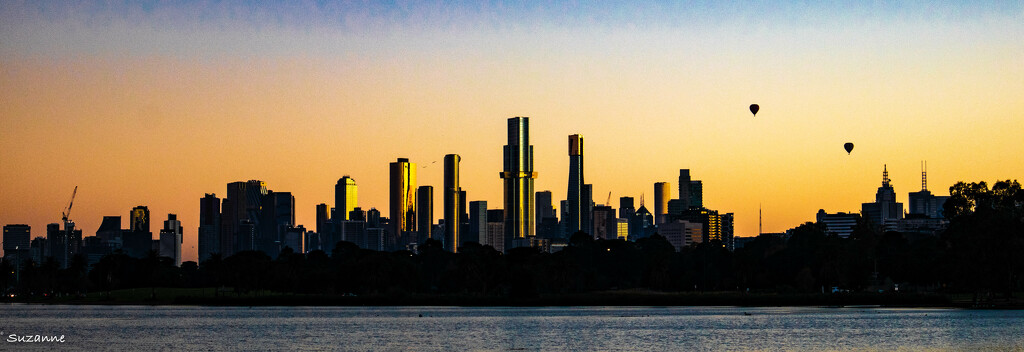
979, 253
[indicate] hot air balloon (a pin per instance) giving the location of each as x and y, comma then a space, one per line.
754, 108
849, 147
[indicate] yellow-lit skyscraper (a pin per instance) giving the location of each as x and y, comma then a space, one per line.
452, 202
402, 197
518, 175
345, 198
662, 193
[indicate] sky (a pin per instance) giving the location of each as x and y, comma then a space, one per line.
158, 102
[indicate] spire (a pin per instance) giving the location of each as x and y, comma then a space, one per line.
924, 175
885, 176
641, 199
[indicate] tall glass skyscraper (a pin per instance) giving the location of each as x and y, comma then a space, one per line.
402, 196
575, 221
519, 175
345, 198
662, 193
453, 203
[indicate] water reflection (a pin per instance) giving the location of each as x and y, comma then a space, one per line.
510, 328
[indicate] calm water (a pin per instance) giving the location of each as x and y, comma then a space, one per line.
507, 329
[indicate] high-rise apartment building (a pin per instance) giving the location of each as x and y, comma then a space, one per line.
209, 226
518, 177
425, 214
574, 196
453, 203
477, 222
402, 203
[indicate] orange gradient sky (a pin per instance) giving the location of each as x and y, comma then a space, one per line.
158, 103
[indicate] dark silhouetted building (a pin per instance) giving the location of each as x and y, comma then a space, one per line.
518, 176
477, 231
885, 212
64, 244
574, 196
425, 214
276, 216
710, 220
691, 192
684, 188
110, 232
17, 242
606, 224
923, 203
587, 209
209, 226
402, 196
641, 225
241, 207
728, 235
495, 234
454, 205
138, 241
171, 239
838, 224
696, 194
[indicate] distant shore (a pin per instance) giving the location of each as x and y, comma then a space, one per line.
209, 297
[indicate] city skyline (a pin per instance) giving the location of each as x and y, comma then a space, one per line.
148, 105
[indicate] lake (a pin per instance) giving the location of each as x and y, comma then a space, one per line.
177, 328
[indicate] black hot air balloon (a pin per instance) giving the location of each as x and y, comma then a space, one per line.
849, 147
754, 108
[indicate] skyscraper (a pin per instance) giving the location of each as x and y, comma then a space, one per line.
626, 207
546, 221
402, 197
209, 226
453, 204
587, 208
171, 239
545, 208
575, 222
518, 175
345, 198
477, 222
277, 215
139, 240
139, 219
241, 207
696, 194
17, 239
232, 213
684, 187
425, 213
662, 194
884, 212
322, 218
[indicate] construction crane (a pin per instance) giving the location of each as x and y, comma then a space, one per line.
67, 211
609, 201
